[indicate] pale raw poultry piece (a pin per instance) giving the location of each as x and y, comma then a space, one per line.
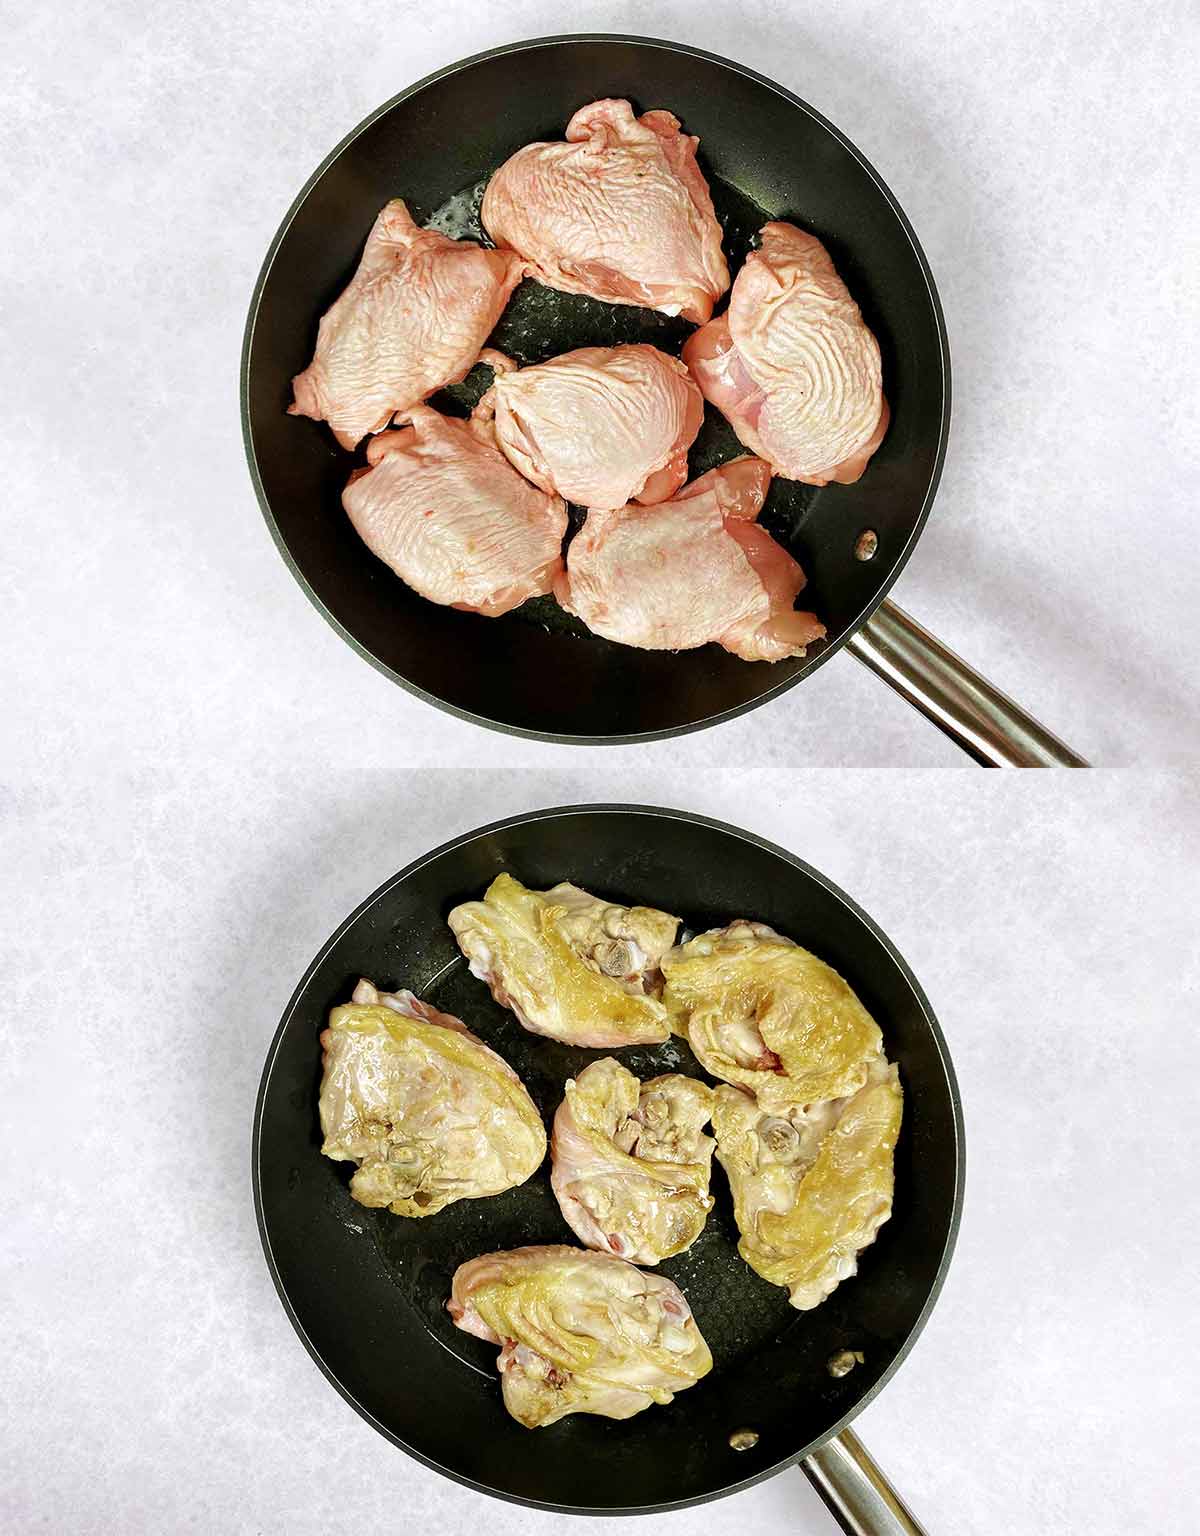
793, 365
621, 211
579, 1332
601, 425
694, 569
411, 321
445, 509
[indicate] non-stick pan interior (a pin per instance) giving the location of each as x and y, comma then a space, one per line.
367, 1290
768, 156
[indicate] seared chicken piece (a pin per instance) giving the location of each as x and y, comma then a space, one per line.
691, 570
428, 1112
413, 319
446, 510
812, 1185
601, 426
579, 1332
759, 1010
568, 964
792, 365
620, 211
631, 1162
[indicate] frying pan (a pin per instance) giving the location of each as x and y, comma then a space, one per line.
537, 672
366, 1290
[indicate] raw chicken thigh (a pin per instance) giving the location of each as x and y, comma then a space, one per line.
690, 570
620, 211
792, 364
601, 426
631, 1162
413, 319
428, 1112
569, 965
759, 1010
812, 1185
446, 510
579, 1332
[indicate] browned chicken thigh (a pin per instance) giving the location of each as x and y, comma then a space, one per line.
579, 1332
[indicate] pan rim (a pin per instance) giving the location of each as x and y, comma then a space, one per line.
721, 716
670, 814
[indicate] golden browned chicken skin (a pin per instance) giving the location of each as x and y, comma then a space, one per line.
428, 1112
812, 1184
580, 1332
568, 964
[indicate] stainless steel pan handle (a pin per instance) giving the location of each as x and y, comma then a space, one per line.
983, 721
855, 1491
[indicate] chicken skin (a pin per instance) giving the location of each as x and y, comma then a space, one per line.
579, 1332
621, 211
812, 1184
792, 364
600, 426
631, 1162
445, 509
694, 569
428, 1112
412, 320
760, 1011
569, 965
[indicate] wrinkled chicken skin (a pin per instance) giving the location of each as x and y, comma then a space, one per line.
569, 965
631, 1162
428, 1112
759, 1010
620, 211
446, 510
579, 1332
691, 570
412, 320
812, 1185
600, 426
792, 365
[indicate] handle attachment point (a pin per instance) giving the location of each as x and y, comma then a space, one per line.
986, 723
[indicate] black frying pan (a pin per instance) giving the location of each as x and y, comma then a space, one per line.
366, 1290
537, 672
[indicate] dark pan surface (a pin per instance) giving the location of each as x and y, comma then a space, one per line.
768, 155
366, 1290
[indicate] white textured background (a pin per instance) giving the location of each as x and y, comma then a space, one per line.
200, 779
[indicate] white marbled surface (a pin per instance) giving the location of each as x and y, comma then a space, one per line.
200, 779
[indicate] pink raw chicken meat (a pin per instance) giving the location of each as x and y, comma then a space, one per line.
445, 509
413, 319
691, 570
620, 211
601, 426
792, 364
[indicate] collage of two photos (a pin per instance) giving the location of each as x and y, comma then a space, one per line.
543, 1015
